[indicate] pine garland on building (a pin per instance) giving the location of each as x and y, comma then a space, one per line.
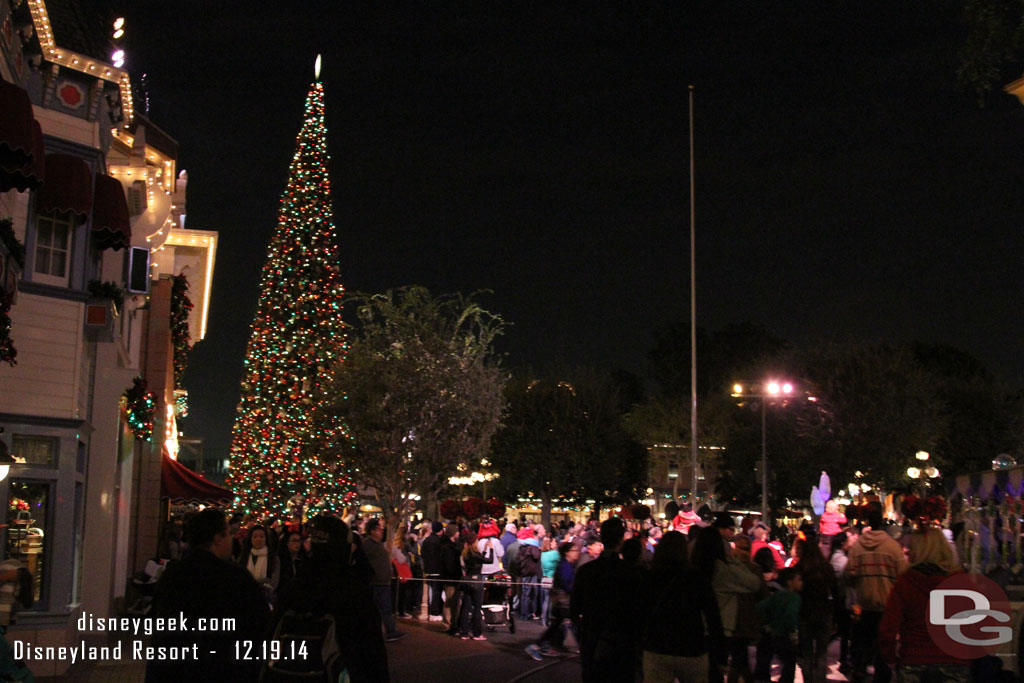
297, 337
181, 307
140, 409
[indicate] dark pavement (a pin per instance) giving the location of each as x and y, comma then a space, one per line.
427, 654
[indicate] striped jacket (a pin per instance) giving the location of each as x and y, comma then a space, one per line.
876, 561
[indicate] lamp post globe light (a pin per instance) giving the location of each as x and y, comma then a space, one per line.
922, 474
766, 390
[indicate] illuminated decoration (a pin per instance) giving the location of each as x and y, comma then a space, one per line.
139, 408
180, 403
181, 306
171, 433
297, 339
79, 62
203, 240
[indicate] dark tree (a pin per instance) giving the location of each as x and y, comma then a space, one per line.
420, 393
564, 438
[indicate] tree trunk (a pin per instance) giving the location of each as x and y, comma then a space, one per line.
545, 508
596, 514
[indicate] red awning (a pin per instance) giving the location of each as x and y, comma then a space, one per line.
67, 187
181, 485
21, 141
111, 226
15, 125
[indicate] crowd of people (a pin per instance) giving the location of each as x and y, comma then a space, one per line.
696, 599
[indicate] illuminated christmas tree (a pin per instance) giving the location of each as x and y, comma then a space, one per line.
297, 337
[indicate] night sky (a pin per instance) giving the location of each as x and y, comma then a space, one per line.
846, 188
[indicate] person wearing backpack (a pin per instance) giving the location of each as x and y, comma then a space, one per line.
529, 570
329, 608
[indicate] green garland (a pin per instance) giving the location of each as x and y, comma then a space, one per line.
139, 409
181, 306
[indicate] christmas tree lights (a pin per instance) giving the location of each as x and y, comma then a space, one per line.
297, 337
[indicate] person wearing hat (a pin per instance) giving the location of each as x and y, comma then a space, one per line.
430, 552
685, 519
529, 571
329, 583
488, 540
473, 587
726, 525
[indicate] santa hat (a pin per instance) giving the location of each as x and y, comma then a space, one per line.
488, 529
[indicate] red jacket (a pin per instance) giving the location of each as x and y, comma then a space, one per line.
831, 523
903, 634
757, 545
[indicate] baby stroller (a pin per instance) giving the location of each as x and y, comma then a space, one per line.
497, 607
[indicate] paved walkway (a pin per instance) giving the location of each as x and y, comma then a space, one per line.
425, 655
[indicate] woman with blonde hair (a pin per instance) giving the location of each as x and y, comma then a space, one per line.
903, 634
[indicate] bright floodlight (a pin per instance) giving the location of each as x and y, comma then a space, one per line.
913, 472
119, 63
932, 472
773, 387
737, 388
118, 55
787, 388
865, 488
853, 489
921, 455
119, 23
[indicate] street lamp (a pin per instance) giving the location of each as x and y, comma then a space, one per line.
923, 473
766, 391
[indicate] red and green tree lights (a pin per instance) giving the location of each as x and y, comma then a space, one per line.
297, 337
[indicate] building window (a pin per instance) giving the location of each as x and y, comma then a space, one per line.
28, 532
30, 449
53, 247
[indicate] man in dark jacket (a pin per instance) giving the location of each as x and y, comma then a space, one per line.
330, 584
207, 586
451, 574
430, 551
529, 571
605, 608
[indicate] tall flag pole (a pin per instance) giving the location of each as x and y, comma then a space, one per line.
297, 338
693, 319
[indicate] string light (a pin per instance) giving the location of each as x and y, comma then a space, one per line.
297, 338
139, 407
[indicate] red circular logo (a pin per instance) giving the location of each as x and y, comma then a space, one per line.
969, 616
70, 95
